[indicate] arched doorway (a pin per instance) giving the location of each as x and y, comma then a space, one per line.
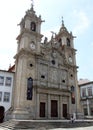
2, 111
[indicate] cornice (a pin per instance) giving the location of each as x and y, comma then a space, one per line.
27, 31
26, 52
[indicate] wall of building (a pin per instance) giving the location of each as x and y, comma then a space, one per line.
86, 96
6, 86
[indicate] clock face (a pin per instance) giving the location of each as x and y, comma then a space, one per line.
70, 59
32, 46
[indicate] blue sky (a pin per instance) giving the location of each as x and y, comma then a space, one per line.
77, 16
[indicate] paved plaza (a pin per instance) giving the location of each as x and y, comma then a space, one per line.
47, 125
42, 128
81, 128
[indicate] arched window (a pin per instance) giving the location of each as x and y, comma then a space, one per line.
73, 98
60, 41
29, 88
72, 88
68, 42
33, 26
73, 94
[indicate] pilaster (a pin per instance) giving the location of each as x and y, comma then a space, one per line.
37, 106
49, 111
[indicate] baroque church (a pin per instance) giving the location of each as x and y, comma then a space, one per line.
46, 72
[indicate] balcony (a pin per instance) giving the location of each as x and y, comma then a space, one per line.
86, 97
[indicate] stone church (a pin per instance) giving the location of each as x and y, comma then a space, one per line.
46, 72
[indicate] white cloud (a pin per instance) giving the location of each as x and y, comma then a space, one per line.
6, 61
82, 23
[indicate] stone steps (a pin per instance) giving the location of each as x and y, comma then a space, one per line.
31, 125
8, 124
41, 124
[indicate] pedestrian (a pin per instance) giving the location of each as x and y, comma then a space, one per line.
72, 119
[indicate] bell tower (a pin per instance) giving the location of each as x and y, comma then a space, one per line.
30, 29
28, 41
66, 41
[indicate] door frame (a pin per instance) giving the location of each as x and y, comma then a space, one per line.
42, 114
54, 109
65, 110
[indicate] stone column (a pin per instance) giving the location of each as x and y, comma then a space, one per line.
48, 107
35, 100
69, 105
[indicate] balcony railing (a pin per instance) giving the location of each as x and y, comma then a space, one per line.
86, 97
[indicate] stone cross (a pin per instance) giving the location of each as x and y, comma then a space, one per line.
32, 2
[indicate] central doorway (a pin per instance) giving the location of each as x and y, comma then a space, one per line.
42, 109
54, 108
65, 110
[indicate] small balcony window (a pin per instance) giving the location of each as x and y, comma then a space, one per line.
8, 81
0, 96
89, 91
6, 96
83, 92
1, 80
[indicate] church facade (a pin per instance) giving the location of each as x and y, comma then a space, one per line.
46, 72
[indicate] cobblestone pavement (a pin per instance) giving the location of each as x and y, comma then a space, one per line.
81, 128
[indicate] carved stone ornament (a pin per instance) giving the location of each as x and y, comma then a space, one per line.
30, 64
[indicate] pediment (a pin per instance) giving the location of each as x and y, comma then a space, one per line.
53, 54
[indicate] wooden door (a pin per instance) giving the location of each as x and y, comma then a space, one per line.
2, 109
65, 110
54, 108
42, 109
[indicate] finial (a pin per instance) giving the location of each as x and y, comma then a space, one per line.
62, 22
32, 3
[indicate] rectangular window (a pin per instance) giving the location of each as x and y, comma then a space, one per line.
0, 96
89, 91
1, 80
8, 81
85, 112
83, 92
6, 96
91, 111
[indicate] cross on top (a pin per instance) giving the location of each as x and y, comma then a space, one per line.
62, 21
32, 2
